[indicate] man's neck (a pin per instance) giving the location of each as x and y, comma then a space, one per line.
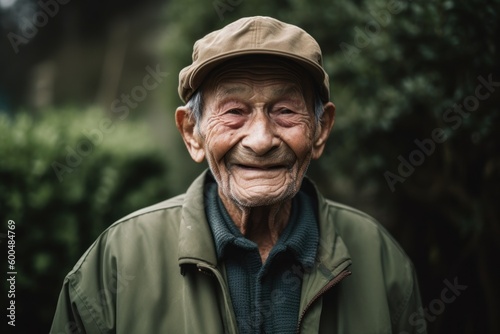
263, 225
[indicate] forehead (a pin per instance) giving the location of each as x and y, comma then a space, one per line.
245, 87
272, 77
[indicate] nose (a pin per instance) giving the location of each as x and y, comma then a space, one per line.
261, 136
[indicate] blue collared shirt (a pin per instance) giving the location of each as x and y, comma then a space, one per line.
265, 297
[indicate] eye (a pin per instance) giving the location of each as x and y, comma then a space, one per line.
284, 111
234, 111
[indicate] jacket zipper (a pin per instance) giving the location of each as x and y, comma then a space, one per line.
327, 287
214, 273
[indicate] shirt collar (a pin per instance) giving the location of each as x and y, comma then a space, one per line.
300, 237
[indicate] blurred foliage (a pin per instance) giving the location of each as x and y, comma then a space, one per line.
396, 70
58, 217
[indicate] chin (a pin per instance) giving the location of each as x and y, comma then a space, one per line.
262, 199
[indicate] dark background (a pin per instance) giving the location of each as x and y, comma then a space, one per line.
399, 70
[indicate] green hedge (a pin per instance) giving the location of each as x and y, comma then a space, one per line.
65, 176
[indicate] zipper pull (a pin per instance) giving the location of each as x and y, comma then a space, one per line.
206, 271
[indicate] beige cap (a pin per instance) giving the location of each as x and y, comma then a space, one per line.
254, 35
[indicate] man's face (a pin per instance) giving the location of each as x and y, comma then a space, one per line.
258, 131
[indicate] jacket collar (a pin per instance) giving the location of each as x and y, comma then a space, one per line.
195, 237
333, 255
196, 242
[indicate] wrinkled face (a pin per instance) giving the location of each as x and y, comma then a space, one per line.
257, 131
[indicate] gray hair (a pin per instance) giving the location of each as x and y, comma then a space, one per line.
195, 105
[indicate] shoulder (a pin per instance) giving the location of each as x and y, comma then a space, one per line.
144, 233
371, 247
378, 260
153, 219
137, 251
360, 229
361, 233
349, 212
383, 281
131, 236
142, 214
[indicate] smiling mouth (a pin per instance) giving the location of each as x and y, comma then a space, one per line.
261, 168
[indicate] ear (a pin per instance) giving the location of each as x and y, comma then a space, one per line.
324, 128
186, 124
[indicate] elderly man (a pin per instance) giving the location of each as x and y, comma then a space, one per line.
252, 247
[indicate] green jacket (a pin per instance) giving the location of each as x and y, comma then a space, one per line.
156, 271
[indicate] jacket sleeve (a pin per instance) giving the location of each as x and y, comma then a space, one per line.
411, 317
87, 300
71, 316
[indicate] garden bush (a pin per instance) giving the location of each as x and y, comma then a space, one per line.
65, 176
